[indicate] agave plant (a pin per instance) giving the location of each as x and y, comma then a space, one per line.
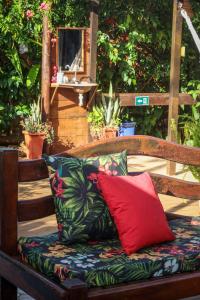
111, 109
33, 123
105, 113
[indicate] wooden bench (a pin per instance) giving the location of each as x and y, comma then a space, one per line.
14, 273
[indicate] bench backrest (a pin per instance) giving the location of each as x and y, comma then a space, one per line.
136, 145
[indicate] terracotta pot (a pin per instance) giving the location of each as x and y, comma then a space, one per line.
34, 144
110, 133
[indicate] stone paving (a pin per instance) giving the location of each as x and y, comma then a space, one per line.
154, 165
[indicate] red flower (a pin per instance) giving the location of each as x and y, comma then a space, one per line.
57, 184
93, 242
115, 251
60, 229
44, 6
195, 222
105, 170
59, 191
29, 14
92, 177
61, 272
112, 252
114, 172
32, 245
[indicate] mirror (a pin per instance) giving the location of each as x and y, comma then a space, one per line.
71, 49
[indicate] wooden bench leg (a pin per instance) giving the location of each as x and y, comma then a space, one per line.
77, 289
8, 216
7, 290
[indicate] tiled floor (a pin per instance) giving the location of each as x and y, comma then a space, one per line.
154, 165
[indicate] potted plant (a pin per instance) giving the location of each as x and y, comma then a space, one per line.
104, 117
36, 131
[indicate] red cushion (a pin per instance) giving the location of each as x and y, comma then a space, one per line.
136, 209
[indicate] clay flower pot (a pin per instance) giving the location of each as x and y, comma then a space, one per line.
34, 144
110, 133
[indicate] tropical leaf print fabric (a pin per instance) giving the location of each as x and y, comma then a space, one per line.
104, 263
80, 209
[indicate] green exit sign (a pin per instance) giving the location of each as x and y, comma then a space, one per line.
141, 100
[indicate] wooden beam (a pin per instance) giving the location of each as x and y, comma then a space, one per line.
93, 38
162, 99
174, 80
187, 6
45, 84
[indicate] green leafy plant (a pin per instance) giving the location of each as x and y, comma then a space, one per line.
133, 52
111, 108
32, 76
191, 128
105, 113
33, 123
95, 118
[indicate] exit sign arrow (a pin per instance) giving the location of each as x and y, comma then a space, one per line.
141, 100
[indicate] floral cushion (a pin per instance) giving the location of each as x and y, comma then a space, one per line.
80, 210
104, 263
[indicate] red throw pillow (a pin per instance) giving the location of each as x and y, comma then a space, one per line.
136, 209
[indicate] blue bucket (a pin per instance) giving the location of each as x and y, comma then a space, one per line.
127, 129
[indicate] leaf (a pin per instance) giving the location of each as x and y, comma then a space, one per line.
32, 76
13, 56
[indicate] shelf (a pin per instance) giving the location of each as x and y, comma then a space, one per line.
78, 88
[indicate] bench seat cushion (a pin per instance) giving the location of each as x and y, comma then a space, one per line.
104, 263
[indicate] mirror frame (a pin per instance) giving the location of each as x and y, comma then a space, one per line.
83, 29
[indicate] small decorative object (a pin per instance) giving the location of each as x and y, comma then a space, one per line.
60, 76
75, 68
136, 210
90, 220
65, 79
53, 41
36, 131
104, 117
54, 76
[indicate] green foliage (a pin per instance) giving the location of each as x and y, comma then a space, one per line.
32, 76
105, 113
134, 41
190, 122
110, 107
134, 52
18, 34
10, 116
33, 122
149, 120
191, 127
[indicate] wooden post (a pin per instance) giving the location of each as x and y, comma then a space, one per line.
8, 213
174, 80
93, 38
45, 85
